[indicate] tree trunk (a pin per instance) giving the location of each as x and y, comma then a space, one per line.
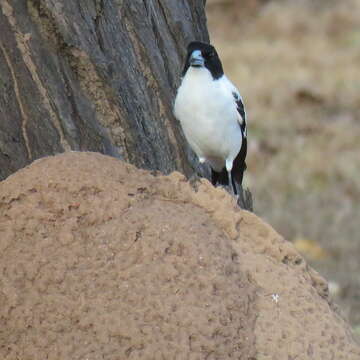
97, 75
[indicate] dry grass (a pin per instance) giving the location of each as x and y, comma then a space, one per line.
298, 68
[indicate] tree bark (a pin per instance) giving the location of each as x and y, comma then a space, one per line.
96, 75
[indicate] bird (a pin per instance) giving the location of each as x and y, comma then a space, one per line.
212, 115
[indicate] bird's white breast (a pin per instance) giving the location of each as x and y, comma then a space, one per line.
208, 115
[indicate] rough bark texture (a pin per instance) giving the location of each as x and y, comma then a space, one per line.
95, 75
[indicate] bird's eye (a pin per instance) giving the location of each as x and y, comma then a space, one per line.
211, 54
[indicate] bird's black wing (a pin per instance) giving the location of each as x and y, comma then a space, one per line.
241, 110
239, 165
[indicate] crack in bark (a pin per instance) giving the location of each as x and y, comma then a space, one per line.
153, 83
160, 45
100, 8
18, 98
163, 12
21, 40
109, 116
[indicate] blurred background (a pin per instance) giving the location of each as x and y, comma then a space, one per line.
297, 66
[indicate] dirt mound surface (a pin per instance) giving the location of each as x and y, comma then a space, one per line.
101, 260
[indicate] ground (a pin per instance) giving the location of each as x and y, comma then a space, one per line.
100, 260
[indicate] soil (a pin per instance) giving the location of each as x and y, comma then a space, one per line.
101, 260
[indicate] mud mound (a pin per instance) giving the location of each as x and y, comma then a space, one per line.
101, 260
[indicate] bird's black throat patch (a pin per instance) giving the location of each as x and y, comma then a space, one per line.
212, 60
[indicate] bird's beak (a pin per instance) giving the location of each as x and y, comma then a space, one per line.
196, 59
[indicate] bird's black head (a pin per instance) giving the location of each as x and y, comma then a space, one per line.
200, 54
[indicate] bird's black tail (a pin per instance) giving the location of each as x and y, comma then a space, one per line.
237, 172
239, 166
